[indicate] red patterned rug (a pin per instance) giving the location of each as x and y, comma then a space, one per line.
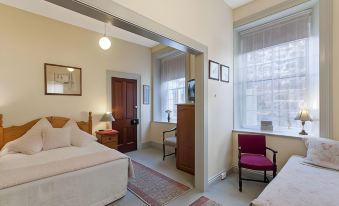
204, 201
154, 188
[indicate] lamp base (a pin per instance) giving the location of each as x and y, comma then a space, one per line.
108, 126
303, 132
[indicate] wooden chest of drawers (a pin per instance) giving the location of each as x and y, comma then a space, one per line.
186, 137
108, 138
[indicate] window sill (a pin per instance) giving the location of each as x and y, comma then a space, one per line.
164, 122
288, 134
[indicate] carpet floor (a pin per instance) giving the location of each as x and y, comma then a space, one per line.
154, 188
225, 192
205, 201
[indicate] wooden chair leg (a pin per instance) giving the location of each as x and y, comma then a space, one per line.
240, 180
163, 151
274, 172
265, 176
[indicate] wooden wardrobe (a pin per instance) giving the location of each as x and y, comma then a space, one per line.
185, 137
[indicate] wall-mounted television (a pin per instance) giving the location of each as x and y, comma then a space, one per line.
191, 90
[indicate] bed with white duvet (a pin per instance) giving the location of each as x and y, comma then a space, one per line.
87, 174
306, 181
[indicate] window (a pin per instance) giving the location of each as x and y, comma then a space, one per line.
277, 74
172, 85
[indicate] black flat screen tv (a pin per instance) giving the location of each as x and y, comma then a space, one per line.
191, 90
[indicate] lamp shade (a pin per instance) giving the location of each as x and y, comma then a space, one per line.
107, 117
303, 116
105, 43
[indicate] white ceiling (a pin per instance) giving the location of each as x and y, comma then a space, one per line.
237, 3
52, 11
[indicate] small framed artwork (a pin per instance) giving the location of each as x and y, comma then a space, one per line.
146, 91
224, 73
213, 70
191, 90
62, 80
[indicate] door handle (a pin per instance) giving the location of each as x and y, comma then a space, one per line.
134, 121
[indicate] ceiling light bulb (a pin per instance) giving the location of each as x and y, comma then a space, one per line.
70, 69
105, 43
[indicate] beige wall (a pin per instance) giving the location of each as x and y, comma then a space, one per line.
208, 22
157, 128
28, 41
289, 146
335, 66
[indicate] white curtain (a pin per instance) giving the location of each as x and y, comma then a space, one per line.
172, 84
277, 74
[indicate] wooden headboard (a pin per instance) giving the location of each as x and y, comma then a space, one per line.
11, 133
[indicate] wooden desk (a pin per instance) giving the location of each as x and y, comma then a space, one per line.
109, 138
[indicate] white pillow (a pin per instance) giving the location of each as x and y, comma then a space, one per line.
30, 142
323, 152
79, 138
53, 138
4, 151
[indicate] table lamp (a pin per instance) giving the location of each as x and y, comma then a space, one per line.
303, 116
107, 117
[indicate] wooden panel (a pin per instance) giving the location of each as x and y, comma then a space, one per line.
112, 145
118, 98
14, 132
1, 132
130, 99
186, 137
110, 138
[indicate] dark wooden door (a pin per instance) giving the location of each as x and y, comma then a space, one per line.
124, 110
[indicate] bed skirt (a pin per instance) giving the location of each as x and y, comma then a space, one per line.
93, 186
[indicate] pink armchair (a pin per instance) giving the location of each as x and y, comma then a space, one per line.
252, 155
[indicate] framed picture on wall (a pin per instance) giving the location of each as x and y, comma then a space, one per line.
213, 70
146, 94
224, 73
62, 80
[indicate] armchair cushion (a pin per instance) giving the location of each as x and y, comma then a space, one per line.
256, 162
171, 141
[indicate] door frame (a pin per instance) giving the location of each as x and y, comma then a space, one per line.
124, 18
125, 75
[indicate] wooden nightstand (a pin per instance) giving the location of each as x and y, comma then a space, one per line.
109, 138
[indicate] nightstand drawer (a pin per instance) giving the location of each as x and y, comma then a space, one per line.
108, 139
112, 145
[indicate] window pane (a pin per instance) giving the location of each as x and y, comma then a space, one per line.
274, 74
173, 81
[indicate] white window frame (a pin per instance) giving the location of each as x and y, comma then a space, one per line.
323, 11
175, 90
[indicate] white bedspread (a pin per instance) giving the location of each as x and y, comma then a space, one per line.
12, 161
97, 185
301, 184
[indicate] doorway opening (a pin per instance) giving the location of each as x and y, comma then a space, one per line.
133, 22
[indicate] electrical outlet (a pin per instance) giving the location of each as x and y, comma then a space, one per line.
223, 175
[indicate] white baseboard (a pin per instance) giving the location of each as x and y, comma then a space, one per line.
216, 178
